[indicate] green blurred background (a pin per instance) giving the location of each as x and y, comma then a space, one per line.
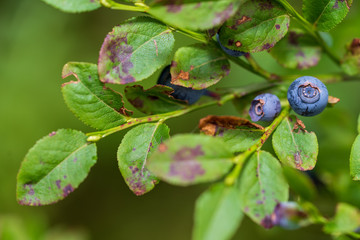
36, 40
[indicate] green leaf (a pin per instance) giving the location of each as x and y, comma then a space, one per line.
239, 140
257, 26
134, 50
74, 6
359, 124
351, 61
355, 159
346, 220
93, 103
262, 185
135, 148
295, 146
198, 66
153, 100
189, 159
297, 50
325, 14
194, 14
217, 213
300, 183
54, 167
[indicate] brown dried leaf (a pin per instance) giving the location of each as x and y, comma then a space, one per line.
210, 124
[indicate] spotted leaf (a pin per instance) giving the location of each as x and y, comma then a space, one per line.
189, 159
294, 146
88, 98
135, 148
351, 61
134, 50
198, 66
54, 167
257, 26
194, 14
297, 50
262, 186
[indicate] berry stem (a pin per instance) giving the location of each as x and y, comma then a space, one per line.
272, 77
240, 159
311, 29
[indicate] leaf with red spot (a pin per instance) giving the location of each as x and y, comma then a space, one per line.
88, 98
198, 66
136, 147
262, 186
73, 6
190, 159
153, 100
194, 14
294, 146
257, 26
134, 50
326, 14
297, 50
54, 167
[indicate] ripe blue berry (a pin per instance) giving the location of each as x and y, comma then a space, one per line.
183, 93
228, 51
265, 107
307, 96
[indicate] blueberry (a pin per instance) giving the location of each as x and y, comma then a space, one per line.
307, 96
183, 93
228, 51
289, 215
265, 107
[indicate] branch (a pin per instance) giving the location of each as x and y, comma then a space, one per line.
96, 136
241, 158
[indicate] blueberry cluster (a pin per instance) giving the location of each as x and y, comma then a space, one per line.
183, 93
307, 96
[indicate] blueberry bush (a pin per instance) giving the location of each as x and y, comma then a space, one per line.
273, 190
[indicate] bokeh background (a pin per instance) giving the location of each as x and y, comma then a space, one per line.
36, 40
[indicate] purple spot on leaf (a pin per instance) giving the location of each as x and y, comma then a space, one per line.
67, 190
224, 15
185, 164
58, 184
267, 222
30, 188
173, 6
52, 134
